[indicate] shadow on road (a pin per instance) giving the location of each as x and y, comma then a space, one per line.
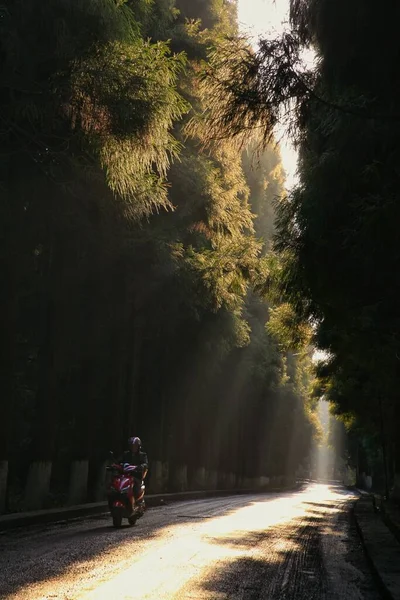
285, 558
287, 563
50, 553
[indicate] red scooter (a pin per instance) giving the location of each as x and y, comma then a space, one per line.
121, 499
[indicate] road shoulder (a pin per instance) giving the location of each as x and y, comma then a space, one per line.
381, 547
69, 513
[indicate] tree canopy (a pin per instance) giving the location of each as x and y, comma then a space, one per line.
136, 255
336, 231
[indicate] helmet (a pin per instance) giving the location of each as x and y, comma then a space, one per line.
134, 441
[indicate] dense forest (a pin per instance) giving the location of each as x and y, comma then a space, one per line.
337, 231
137, 272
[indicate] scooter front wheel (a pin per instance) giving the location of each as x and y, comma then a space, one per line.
132, 520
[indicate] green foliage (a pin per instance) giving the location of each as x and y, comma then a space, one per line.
336, 233
105, 101
127, 117
292, 332
265, 177
135, 250
218, 15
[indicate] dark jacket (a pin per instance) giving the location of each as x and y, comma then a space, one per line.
136, 459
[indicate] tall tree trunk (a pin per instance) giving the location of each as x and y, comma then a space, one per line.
85, 418
45, 426
396, 454
46, 401
384, 446
133, 366
7, 359
10, 249
118, 362
46, 408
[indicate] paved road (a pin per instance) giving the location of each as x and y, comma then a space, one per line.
300, 545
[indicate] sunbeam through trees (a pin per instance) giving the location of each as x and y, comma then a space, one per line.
137, 272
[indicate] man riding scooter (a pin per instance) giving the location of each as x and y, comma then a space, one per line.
136, 457
126, 489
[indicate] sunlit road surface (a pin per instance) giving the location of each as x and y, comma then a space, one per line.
296, 545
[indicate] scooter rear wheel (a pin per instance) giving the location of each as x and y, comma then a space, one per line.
132, 520
117, 518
